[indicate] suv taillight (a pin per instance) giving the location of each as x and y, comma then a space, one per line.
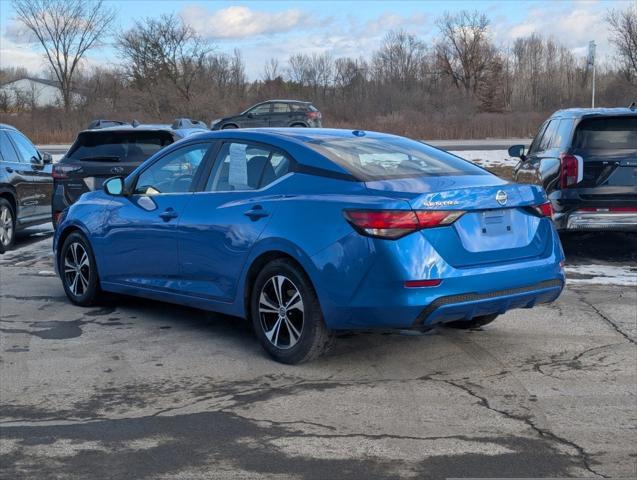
62, 171
393, 224
569, 171
313, 115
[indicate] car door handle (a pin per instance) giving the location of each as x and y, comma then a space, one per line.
256, 212
168, 214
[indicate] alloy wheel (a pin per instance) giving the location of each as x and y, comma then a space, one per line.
281, 312
6, 225
77, 269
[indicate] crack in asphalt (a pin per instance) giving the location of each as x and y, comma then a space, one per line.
542, 432
605, 318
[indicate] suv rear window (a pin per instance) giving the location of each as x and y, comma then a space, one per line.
118, 146
607, 133
391, 157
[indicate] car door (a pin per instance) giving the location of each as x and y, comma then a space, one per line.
222, 222
140, 238
258, 116
20, 179
40, 175
280, 115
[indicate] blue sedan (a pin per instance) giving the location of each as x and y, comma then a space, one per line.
307, 232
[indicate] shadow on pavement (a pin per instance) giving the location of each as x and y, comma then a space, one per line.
592, 247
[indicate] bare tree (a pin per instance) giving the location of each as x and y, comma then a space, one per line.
164, 49
66, 30
464, 51
271, 70
623, 30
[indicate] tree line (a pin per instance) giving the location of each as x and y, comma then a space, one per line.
458, 85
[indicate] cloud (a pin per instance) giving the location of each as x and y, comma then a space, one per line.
242, 22
573, 25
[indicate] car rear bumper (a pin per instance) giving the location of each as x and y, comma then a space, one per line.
616, 221
468, 306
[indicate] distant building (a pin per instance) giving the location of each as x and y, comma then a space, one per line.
27, 93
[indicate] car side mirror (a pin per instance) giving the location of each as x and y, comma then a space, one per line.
114, 186
517, 151
46, 158
250, 115
37, 162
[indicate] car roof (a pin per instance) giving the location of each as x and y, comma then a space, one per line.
593, 112
305, 102
8, 127
148, 127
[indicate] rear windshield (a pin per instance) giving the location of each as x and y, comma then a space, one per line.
607, 133
118, 146
391, 157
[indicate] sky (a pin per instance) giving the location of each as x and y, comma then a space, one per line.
264, 29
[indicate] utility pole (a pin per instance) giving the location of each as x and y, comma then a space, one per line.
591, 63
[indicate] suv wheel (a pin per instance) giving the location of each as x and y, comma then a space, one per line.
286, 314
7, 225
78, 271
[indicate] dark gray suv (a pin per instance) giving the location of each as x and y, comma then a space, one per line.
25, 185
273, 113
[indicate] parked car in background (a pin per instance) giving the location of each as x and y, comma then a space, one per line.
310, 232
273, 113
26, 185
108, 148
586, 160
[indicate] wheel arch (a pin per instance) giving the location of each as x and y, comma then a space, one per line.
9, 196
63, 235
257, 264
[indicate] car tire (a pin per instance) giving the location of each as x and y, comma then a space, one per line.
229, 127
78, 271
476, 322
286, 314
7, 225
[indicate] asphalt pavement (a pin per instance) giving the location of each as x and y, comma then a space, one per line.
135, 389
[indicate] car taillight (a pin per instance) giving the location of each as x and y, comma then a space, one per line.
570, 172
393, 224
313, 115
545, 209
62, 171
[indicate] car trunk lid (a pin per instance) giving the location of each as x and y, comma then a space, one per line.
499, 225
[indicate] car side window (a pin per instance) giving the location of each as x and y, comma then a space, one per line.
563, 134
547, 138
173, 173
6, 147
538, 138
261, 109
280, 108
241, 166
25, 148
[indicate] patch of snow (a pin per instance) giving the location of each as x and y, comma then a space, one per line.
624, 275
487, 158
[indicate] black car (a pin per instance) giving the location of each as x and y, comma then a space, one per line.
25, 185
586, 160
108, 148
273, 113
